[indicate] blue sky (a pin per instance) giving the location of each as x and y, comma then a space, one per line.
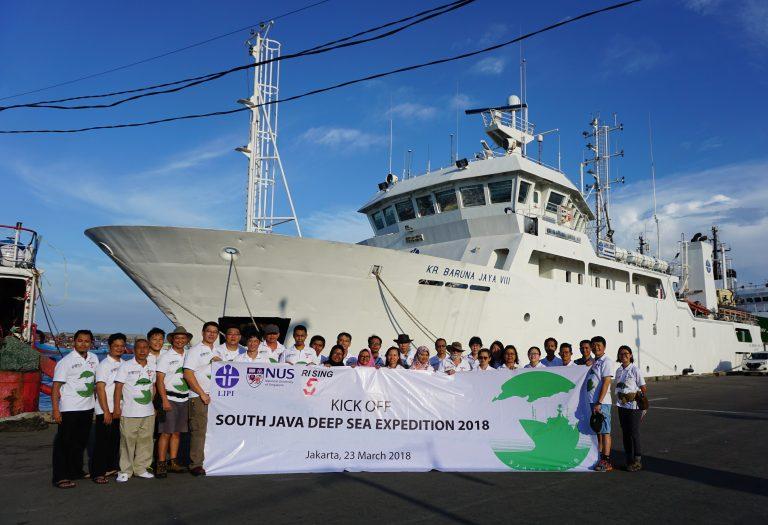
698, 66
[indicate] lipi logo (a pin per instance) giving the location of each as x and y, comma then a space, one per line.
227, 376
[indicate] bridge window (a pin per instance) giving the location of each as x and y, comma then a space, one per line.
743, 335
473, 196
555, 200
389, 216
446, 200
522, 194
500, 191
378, 220
426, 205
405, 210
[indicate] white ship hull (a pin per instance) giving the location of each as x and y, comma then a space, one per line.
330, 287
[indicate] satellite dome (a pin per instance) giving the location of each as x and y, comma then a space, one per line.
513, 100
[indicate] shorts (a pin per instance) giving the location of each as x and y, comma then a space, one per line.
176, 420
605, 410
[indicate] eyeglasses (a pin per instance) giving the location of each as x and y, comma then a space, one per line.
484, 357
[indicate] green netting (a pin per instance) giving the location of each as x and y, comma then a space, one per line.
18, 356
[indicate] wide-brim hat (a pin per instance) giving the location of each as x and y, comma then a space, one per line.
455, 347
179, 330
403, 338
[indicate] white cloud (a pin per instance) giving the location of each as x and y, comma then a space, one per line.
461, 101
702, 6
490, 66
732, 197
632, 56
345, 225
754, 18
413, 110
348, 138
751, 16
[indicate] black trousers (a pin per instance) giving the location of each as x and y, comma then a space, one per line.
106, 447
630, 432
69, 444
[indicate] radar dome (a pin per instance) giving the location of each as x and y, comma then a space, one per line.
513, 100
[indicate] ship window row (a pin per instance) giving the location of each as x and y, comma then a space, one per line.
476, 195
459, 286
752, 300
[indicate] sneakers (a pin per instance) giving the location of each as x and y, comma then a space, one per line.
197, 471
146, 475
122, 477
174, 467
161, 471
603, 466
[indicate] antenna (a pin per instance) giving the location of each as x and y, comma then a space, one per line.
457, 120
410, 158
429, 160
390, 136
452, 157
263, 156
653, 184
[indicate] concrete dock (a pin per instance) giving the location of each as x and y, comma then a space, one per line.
705, 457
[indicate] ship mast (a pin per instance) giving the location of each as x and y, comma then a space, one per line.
599, 168
264, 161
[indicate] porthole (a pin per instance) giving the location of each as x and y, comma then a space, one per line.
693, 331
621, 327
560, 319
594, 323
647, 369
527, 317
655, 330
677, 330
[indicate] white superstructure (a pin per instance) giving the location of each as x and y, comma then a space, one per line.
499, 246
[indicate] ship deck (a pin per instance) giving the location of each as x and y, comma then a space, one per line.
704, 454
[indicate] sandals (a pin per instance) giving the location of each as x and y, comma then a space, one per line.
65, 484
100, 480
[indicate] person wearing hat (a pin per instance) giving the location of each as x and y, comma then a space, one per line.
271, 350
406, 352
174, 394
456, 363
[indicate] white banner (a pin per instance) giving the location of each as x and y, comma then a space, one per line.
271, 418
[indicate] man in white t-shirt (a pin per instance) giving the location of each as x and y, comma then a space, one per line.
174, 394
566, 354
344, 339
598, 385
72, 404
317, 344
456, 363
437, 361
134, 389
271, 350
299, 353
534, 358
231, 349
106, 447
197, 374
550, 348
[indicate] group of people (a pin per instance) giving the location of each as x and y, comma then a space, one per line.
144, 404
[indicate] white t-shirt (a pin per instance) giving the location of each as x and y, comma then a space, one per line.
272, 356
538, 365
227, 355
105, 373
437, 364
472, 361
171, 364
599, 370
463, 366
79, 377
504, 367
555, 362
138, 382
305, 356
198, 359
570, 363
628, 379
478, 369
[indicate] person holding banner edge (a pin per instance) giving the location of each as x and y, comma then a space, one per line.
598, 385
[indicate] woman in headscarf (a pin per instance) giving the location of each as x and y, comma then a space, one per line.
392, 358
336, 357
364, 359
421, 360
509, 358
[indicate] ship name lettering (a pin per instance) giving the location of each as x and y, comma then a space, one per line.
461, 274
432, 268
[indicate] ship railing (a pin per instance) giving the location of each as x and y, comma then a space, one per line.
18, 246
735, 316
506, 118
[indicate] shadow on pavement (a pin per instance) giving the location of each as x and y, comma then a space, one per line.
708, 476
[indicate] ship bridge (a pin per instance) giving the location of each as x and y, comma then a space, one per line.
476, 209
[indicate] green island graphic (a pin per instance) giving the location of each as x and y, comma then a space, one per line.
556, 440
89, 386
146, 395
182, 386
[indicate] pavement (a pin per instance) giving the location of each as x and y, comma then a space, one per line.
705, 459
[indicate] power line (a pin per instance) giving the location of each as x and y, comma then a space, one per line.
168, 53
342, 84
347, 41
